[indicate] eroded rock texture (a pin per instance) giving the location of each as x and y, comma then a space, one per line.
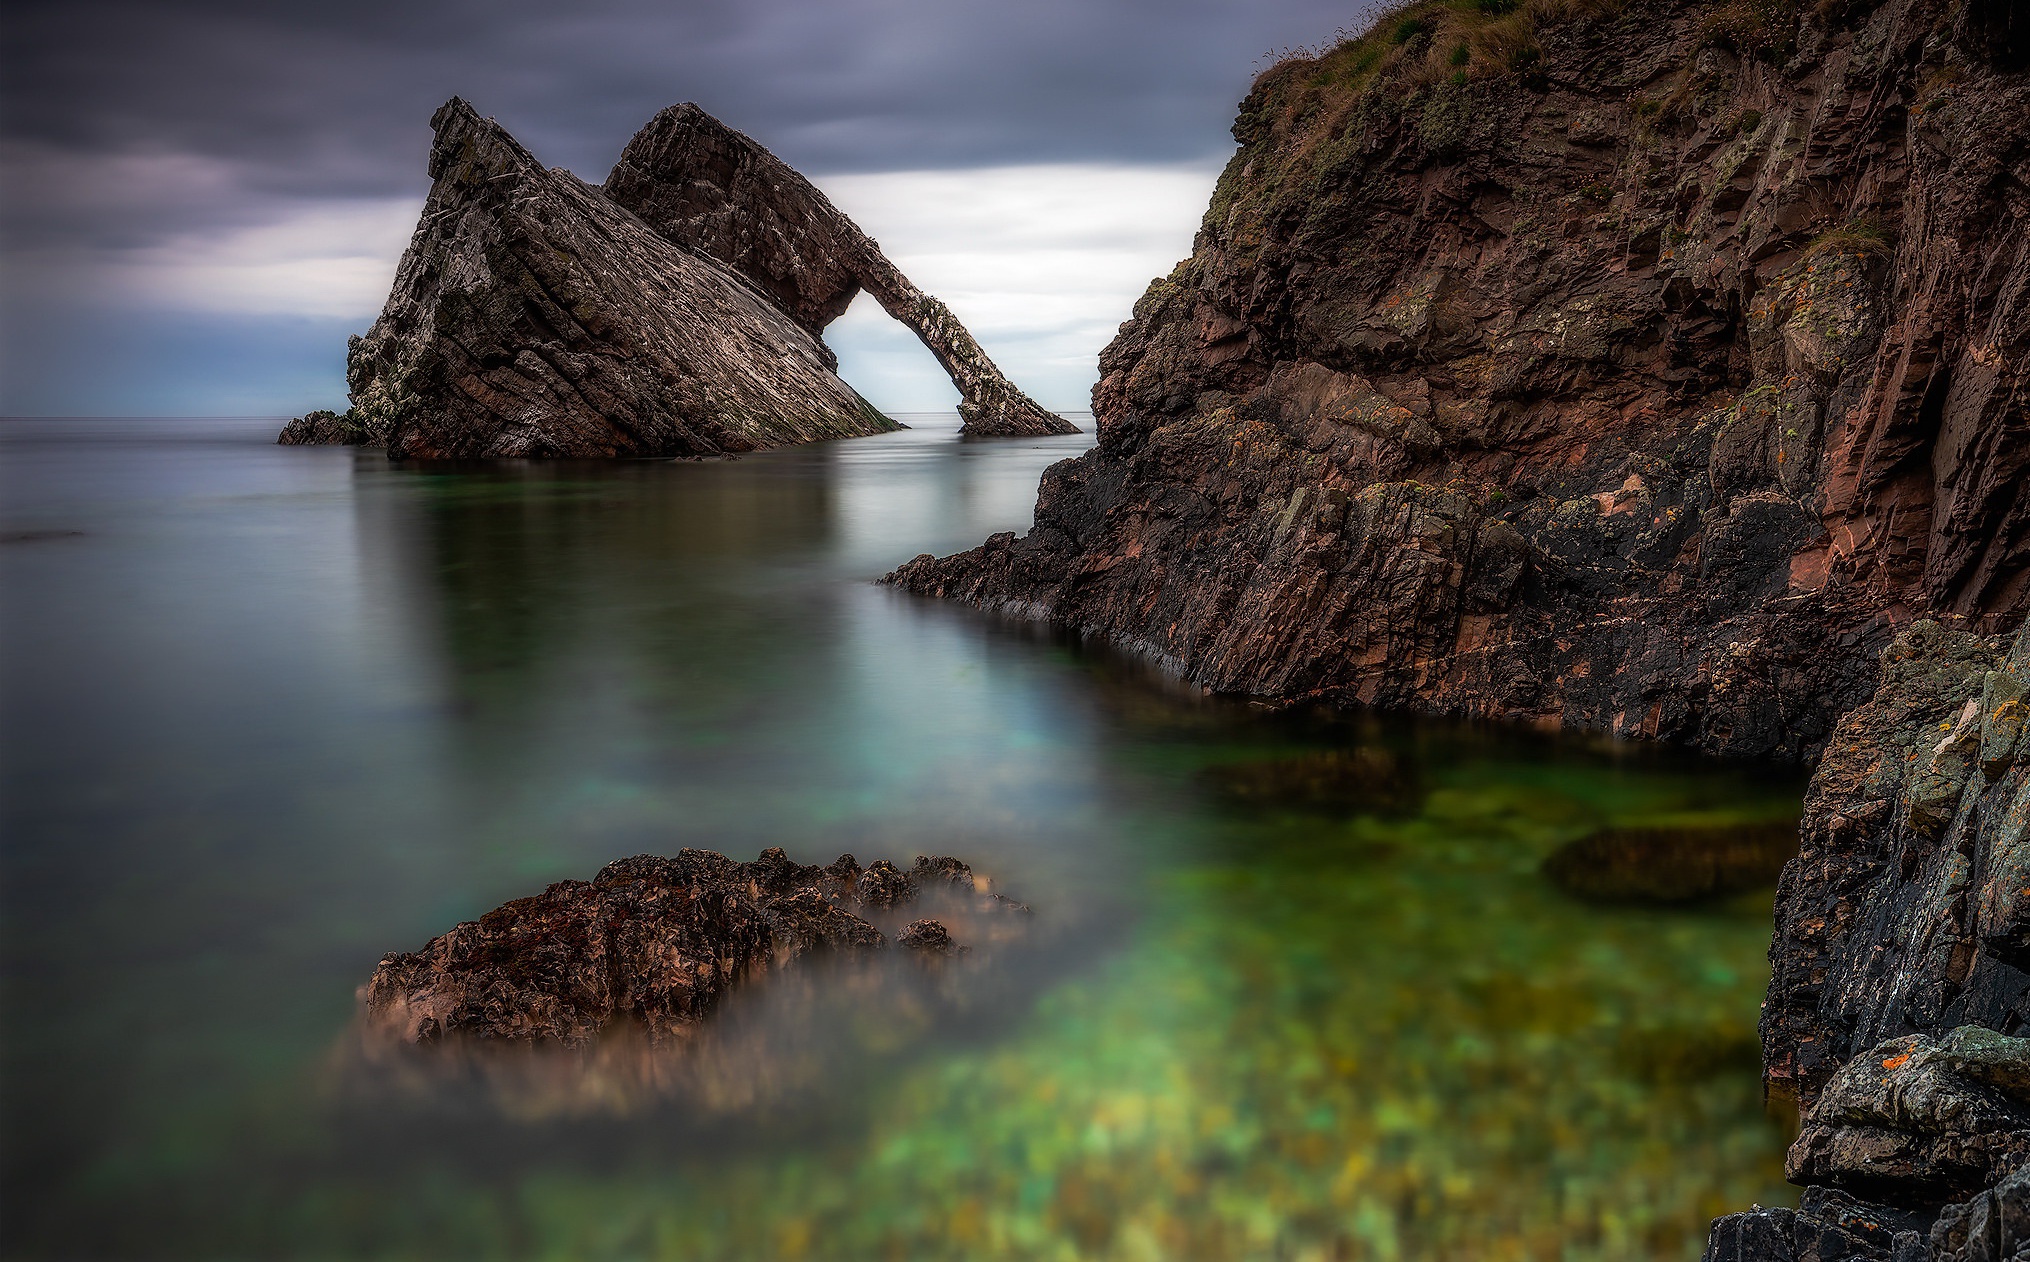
535, 315
1897, 971
1908, 907
701, 184
1627, 366
652, 941
1915, 1152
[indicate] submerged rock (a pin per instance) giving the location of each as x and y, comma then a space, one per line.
651, 942
1335, 781
1672, 865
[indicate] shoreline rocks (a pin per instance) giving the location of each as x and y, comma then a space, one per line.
1636, 373
1898, 992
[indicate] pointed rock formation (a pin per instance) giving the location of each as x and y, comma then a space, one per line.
533, 317
705, 186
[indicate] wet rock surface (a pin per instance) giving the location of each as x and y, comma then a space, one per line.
1898, 994
651, 943
1904, 911
1916, 1151
1629, 367
536, 315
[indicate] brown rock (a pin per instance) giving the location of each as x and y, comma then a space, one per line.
1616, 380
1672, 865
651, 941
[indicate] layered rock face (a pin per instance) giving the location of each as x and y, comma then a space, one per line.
534, 315
1637, 367
1898, 972
703, 185
1908, 906
651, 942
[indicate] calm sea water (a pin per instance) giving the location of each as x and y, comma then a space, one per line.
270, 713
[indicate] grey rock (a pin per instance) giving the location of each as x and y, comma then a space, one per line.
533, 317
711, 189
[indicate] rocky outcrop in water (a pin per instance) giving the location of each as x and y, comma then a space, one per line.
651, 942
1638, 367
535, 315
703, 185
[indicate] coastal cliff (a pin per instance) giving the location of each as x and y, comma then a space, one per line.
1653, 369
1638, 368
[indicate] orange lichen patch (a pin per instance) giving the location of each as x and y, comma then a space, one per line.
1895, 1062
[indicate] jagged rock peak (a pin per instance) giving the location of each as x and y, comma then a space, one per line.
710, 188
531, 316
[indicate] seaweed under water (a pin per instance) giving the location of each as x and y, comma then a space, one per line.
1298, 987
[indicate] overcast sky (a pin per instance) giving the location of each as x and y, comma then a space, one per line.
202, 198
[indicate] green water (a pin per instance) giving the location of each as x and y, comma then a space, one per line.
272, 713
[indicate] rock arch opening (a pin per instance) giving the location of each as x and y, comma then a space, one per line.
702, 185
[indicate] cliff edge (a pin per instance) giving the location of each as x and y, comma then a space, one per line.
1633, 367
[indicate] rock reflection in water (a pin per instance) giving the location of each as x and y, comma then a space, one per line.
1674, 865
1330, 782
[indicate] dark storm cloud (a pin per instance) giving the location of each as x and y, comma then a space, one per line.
328, 100
137, 132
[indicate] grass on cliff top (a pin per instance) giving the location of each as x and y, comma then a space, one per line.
1423, 42
1306, 106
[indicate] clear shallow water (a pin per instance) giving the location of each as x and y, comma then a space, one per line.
270, 713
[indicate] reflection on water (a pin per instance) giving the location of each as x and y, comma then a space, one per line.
1299, 987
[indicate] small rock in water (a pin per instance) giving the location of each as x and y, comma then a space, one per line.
651, 941
930, 937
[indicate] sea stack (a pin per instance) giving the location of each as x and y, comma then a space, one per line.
709, 188
534, 315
